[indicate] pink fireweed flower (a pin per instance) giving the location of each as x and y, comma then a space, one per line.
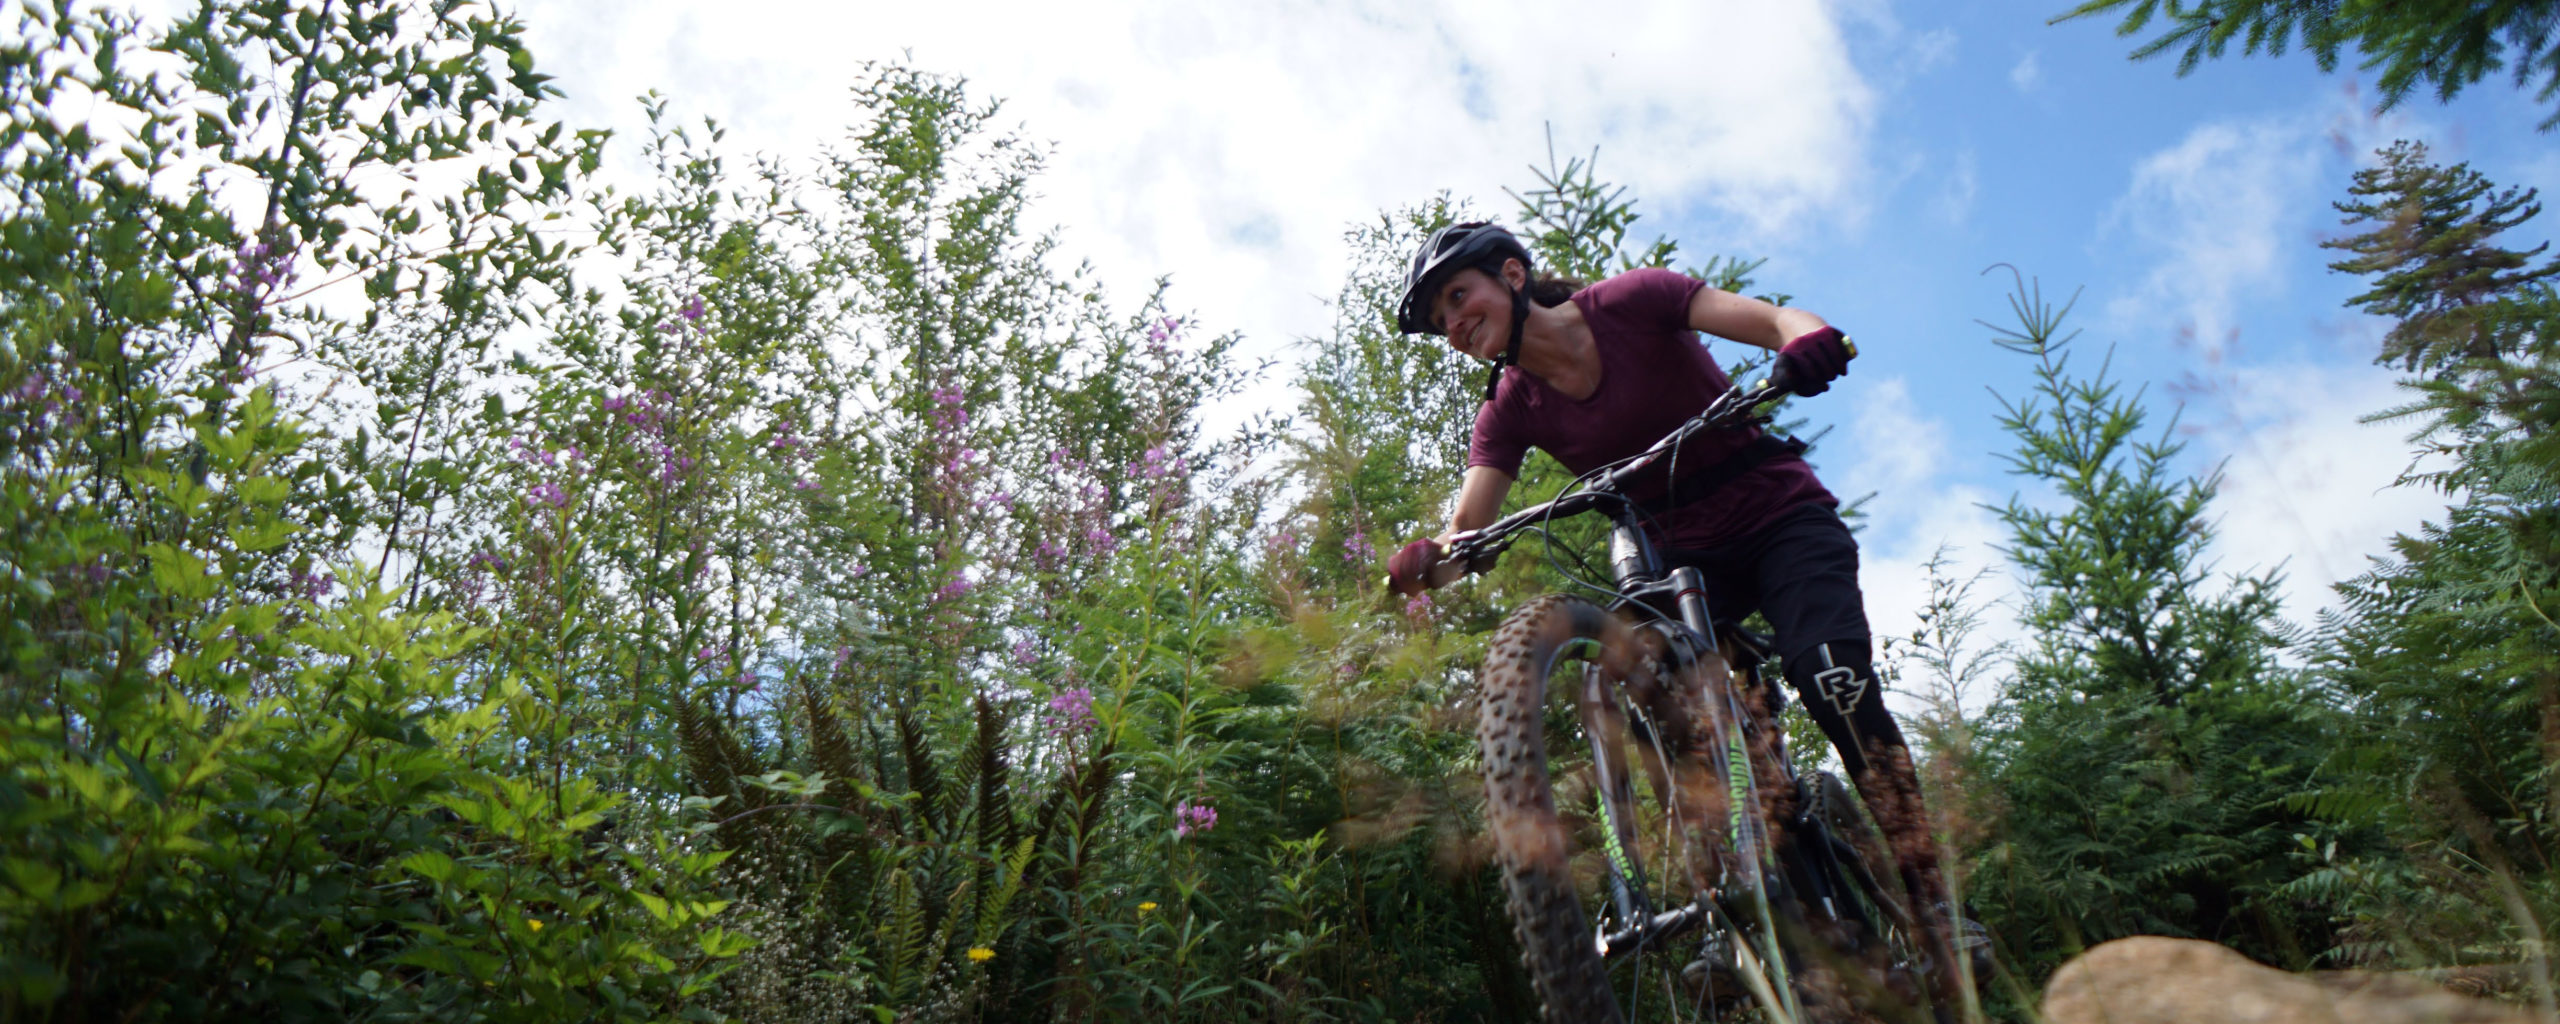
1418, 606
805, 484
957, 588
1155, 466
548, 493
692, 308
1070, 713
1191, 817
675, 466
614, 403
1102, 541
311, 587
948, 414
1025, 653
1356, 549
843, 654
1279, 544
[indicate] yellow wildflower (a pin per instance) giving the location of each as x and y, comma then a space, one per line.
533, 924
981, 954
1147, 906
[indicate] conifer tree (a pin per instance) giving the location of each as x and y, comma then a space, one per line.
2143, 746
2446, 45
2447, 649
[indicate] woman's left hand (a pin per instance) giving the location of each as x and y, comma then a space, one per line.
1809, 364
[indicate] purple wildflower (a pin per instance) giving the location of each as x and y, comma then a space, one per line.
1418, 606
1279, 544
958, 587
1189, 817
692, 308
1356, 549
1102, 540
948, 414
548, 493
310, 586
1071, 712
805, 484
1025, 653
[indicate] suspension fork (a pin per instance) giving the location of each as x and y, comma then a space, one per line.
1639, 569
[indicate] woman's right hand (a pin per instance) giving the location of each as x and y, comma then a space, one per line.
1409, 570
1425, 564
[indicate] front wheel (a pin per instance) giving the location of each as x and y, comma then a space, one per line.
1598, 888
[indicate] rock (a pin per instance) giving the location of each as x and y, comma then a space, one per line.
2154, 980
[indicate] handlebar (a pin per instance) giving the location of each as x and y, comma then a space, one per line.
1474, 551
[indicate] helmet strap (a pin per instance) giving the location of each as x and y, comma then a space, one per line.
1511, 353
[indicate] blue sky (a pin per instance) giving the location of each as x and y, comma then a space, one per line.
1880, 154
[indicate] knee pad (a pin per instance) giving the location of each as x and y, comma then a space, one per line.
1838, 684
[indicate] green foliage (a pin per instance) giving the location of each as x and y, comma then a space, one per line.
228, 794
2447, 45
789, 591
2140, 754
2446, 648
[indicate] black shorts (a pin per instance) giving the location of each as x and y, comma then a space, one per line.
1800, 571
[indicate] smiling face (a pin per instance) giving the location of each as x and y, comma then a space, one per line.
1474, 310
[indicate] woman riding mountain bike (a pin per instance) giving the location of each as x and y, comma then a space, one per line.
1606, 370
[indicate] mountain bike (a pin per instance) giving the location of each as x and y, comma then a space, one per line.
1742, 882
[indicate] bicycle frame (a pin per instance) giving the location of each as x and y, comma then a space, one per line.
1677, 597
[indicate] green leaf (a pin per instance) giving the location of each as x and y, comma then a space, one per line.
263, 536
432, 865
179, 573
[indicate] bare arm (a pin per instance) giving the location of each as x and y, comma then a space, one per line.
1748, 320
1479, 500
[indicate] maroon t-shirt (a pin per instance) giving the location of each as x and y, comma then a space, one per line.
1654, 375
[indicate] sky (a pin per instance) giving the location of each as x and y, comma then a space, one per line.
1891, 161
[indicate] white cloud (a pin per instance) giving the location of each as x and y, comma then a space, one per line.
2225, 213
1231, 145
2307, 487
2220, 209
1932, 49
2026, 74
1916, 514
1955, 197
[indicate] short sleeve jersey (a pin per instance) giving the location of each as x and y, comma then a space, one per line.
1654, 374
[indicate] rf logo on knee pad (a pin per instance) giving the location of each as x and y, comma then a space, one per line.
1841, 687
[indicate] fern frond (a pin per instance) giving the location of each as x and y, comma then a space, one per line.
902, 932
924, 779
992, 905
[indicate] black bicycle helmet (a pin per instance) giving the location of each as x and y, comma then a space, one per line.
1481, 245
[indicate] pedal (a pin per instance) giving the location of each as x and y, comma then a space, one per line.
1716, 973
